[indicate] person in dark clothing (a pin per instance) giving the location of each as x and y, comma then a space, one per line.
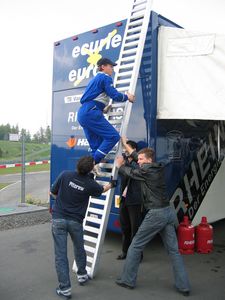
160, 218
130, 200
71, 191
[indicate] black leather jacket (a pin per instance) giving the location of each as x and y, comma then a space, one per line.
153, 188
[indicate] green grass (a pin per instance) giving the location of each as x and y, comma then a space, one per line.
2, 185
35, 168
11, 151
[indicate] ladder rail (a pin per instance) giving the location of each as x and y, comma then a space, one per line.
135, 72
132, 45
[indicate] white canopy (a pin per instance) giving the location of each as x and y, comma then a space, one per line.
191, 75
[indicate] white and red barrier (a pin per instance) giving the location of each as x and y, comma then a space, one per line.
31, 163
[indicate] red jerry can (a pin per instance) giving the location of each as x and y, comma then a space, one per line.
186, 237
204, 237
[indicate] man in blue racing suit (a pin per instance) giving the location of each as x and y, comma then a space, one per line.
101, 135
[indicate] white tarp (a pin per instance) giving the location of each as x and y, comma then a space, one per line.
191, 75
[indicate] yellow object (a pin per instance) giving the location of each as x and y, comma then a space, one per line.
94, 56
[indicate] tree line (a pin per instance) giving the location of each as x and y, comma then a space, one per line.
43, 135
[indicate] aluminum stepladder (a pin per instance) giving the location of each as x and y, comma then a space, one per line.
97, 215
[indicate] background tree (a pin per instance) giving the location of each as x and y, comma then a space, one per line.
43, 135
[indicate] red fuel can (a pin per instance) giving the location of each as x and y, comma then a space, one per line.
204, 237
186, 237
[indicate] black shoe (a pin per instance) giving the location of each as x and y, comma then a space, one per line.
127, 286
184, 293
121, 256
66, 294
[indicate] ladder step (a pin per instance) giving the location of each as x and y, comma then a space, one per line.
134, 29
97, 201
95, 210
89, 249
105, 174
138, 8
114, 122
89, 271
90, 259
115, 113
132, 44
126, 66
137, 2
133, 36
130, 58
91, 229
119, 104
123, 81
125, 74
130, 51
140, 2
122, 89
135, 23
110, 155
106, 165
93, 220
90, 239
102, 182
136, 16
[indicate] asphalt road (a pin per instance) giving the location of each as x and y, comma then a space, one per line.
37, 187
27, 269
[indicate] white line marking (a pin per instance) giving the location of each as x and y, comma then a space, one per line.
9, 185
26, 173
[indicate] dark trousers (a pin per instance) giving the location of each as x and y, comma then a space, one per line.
130, 220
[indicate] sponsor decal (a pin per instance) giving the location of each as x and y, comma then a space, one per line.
92, 49
174, 146
189, 242
81, 142
72, 141
72, 118
209, 241
76, 186
191, 191
72, 99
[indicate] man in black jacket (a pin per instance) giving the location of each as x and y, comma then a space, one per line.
71, 191
160, 218
130, 199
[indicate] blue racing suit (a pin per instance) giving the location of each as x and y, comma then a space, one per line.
101, 135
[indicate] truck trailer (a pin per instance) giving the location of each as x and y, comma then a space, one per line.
187, 135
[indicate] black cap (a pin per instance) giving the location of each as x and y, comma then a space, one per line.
105, 61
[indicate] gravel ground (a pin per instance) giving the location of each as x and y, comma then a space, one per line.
24, 219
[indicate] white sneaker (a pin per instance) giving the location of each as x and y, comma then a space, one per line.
82, 279
64, 293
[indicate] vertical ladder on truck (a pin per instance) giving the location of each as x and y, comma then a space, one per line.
96, 219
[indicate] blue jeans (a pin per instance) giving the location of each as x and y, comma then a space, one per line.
60, 230
160, 221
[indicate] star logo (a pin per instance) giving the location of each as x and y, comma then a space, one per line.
94, 56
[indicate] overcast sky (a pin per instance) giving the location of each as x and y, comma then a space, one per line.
28, 29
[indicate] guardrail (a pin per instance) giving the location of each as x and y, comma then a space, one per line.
31, 163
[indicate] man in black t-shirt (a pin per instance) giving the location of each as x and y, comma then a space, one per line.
71, 191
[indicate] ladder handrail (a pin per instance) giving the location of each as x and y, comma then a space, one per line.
134, 16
